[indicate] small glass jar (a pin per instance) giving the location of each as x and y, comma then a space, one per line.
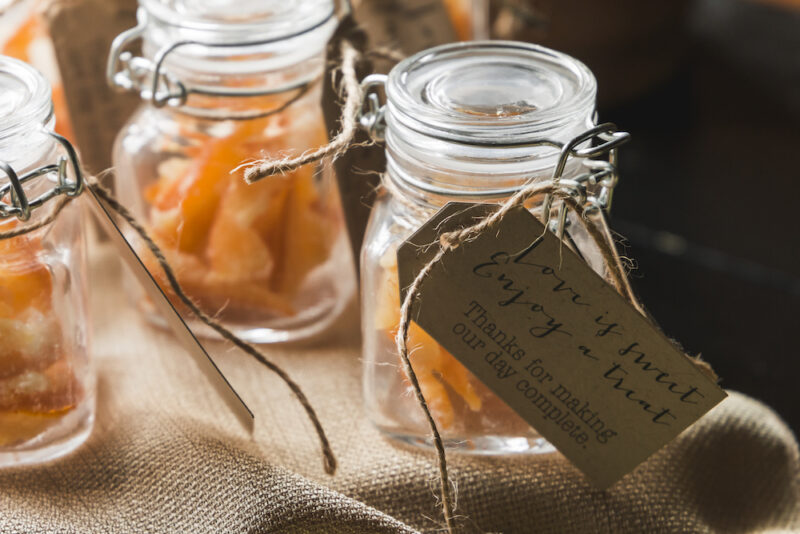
269, 259
47, 388
24, 35
453, 115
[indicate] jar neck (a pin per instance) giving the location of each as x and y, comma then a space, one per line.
480, 120
430, 172
277, 90
29, 148
236, 69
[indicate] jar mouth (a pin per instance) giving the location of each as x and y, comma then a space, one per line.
24, 100
238, 43
487, 93
229, 21
224, 23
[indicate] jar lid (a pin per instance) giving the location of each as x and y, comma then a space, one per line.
488, 93
25, 105
216, 22
203, 41
24, 98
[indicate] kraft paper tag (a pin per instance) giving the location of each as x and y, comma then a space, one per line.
357, 169
555, 341
201, 358
82, 32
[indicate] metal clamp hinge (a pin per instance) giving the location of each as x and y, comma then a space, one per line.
154, 83
19, 205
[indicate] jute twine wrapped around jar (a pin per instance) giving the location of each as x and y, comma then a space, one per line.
354, 100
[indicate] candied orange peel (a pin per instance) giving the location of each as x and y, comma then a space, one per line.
245, 248
37, 382
439, 373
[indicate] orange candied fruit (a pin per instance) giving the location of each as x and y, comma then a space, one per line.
236, 246
438, 371
37, 382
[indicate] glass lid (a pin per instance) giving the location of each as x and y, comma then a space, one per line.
488, 92
24, 98
232, 21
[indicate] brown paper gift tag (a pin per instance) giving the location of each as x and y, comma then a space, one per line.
406, 25
558, 344
356, 188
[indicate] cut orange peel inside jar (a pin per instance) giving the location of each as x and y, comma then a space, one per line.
245, 248
37, 382
438, 371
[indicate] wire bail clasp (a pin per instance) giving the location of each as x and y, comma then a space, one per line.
154, 83
126, 72
602, 174
19, 205
372, 115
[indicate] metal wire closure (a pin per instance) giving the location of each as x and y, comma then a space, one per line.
373, 120
126, 72
593, 189
19, 205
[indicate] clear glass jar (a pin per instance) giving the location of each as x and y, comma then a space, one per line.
24, 35
47, 388
451, 113
269, 259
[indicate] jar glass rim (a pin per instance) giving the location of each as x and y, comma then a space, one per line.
457, 92
25, 98
213, 25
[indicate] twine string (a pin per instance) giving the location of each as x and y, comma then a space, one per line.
45, 221
329, 459
337, 146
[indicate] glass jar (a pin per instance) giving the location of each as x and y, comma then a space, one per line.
269, 259
457, 117
24, 35
47, 387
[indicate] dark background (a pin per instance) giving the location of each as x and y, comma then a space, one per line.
708, 199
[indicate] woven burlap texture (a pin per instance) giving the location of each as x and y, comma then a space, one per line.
166, 456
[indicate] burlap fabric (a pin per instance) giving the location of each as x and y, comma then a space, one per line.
166, 456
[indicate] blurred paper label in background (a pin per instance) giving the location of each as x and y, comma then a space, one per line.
82, 32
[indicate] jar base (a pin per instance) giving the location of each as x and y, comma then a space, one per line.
479, 445
325, 296
62, 439
313, 321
